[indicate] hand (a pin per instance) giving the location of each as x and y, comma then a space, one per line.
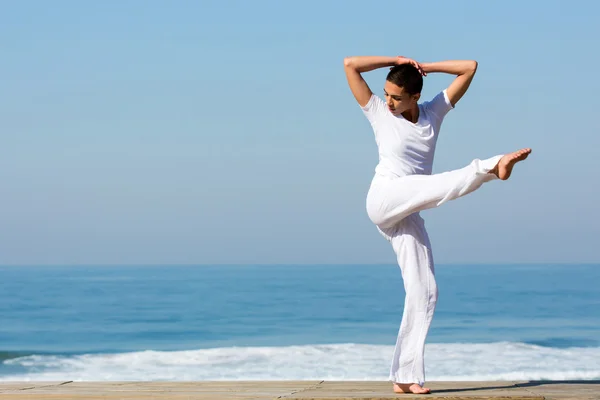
404, 60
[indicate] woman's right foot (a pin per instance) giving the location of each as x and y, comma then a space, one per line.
410, 388
504, 167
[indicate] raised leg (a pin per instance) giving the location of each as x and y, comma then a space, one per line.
390, 200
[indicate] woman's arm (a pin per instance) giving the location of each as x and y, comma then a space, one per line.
354, 66
464, 71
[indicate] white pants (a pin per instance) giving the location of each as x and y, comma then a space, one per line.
393, 204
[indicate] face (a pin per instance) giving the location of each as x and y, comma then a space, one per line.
398, 101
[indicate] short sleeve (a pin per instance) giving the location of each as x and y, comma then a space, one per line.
374, 109
440, 105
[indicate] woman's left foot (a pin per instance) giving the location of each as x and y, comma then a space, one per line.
410, 388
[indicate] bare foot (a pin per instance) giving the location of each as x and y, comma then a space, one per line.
504, 167
410, 388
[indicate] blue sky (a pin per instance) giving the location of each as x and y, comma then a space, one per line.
198, 132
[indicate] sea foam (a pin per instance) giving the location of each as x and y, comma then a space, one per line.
444, 362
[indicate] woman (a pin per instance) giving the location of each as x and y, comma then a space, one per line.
406, 133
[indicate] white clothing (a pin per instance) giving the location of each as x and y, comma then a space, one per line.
391, 199
403, 186
406, 148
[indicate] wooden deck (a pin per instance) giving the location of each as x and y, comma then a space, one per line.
329, 390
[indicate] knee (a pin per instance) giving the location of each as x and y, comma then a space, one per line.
382, 220
376, 215
376, 211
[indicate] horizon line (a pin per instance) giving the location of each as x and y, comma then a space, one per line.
514, 263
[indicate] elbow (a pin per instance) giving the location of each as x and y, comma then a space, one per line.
468, 68
348, 62
473, 66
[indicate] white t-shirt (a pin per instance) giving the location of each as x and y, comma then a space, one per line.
406, 148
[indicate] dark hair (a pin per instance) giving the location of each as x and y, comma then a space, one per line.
406, 76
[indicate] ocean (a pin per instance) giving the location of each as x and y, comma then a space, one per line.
280, 322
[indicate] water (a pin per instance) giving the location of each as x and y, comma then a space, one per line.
493, 322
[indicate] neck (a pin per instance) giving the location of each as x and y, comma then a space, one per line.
412, 114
